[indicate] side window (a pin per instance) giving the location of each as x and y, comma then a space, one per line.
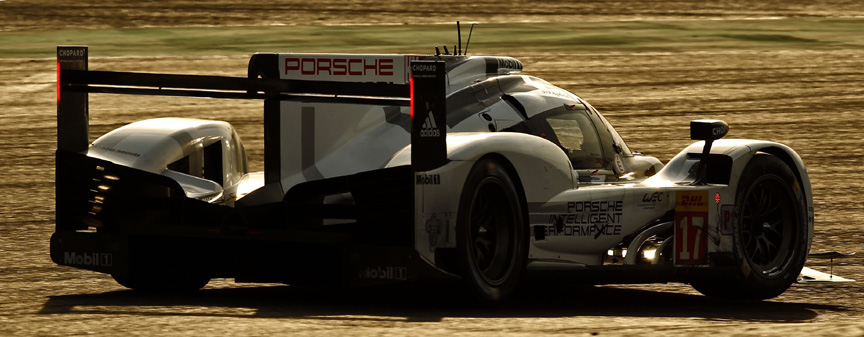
578, 138
205, 162
181, 165
213, 163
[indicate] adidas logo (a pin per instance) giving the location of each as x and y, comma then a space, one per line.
429, 128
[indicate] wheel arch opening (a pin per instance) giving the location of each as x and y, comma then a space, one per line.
520, 189
786, 158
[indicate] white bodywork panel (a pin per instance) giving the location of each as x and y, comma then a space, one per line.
323, 141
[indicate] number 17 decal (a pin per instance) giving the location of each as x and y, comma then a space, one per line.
691, 218
690, 238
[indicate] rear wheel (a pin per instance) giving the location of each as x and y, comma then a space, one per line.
770, 233
491, 242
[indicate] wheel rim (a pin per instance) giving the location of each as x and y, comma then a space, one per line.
768, 225
491, 221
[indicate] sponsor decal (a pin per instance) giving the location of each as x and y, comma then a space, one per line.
720, 130
585, 218
619, 164
88, 259
427, 179
692, 201
429, 128
384, 273
123, 152
594, 177
572, 107
72, 57
595, 206
727, 216
589, 218
434, 227
71, 52
428, 115
653, 197
559, 94
325, 66
345, 68
651, 200
691, 232
424, 67
507, 65
593, 230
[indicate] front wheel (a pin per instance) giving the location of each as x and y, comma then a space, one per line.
770, 233
491, 241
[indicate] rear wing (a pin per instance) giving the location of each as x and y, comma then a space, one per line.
271, 80
327, 78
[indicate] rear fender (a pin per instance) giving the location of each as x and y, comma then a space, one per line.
541, 166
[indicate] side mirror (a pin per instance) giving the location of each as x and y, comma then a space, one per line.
708, 130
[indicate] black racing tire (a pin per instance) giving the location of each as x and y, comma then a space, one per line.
771, 233
491, 245
162, 283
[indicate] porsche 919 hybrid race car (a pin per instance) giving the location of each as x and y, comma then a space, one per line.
391, 168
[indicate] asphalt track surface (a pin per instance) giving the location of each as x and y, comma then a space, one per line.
812, 100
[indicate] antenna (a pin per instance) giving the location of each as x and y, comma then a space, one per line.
469, 37
446, 52
459, 33
437, 51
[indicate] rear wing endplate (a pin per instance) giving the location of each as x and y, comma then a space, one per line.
428, 115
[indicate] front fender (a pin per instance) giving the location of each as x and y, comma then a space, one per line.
682, 168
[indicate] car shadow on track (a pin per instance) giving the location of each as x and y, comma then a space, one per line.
431, 303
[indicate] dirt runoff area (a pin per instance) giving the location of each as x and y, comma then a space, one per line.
17, 15
810, 99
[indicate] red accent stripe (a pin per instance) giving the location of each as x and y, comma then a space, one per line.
411, 85
58, 82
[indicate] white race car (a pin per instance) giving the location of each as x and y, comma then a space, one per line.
390, 168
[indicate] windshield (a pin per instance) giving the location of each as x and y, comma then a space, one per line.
578, 138
625, 151
573, 131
